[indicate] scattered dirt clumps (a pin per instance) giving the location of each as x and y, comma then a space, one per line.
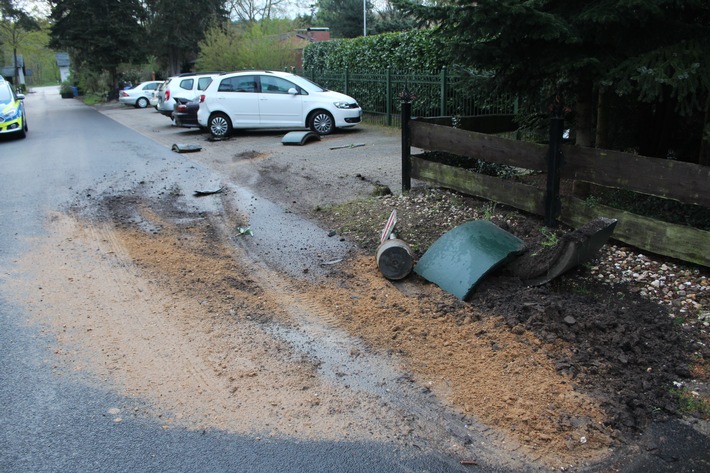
605, 325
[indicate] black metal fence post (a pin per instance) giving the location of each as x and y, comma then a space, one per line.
388, 104
553, 205
347, 81
443, 90
406, 98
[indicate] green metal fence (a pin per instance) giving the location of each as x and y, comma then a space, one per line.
442, 94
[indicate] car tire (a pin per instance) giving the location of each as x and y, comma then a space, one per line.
142, 102
219, 125
321, 122
25, 128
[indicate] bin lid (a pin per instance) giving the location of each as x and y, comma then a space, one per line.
463, 255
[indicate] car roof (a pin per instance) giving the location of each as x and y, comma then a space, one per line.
260, 71
187, 74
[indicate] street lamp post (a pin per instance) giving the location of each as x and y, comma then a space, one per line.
364, 17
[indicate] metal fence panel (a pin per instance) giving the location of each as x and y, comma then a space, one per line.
440, 94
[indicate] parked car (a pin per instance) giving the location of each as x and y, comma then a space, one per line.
185, 113
185, 86
271, 99
139, 96
154, 95
12, 111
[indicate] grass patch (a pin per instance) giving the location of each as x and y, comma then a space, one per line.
692, 403
93, 99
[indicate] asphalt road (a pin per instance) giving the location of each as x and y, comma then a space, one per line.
57, 421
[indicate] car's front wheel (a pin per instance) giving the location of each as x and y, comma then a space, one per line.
321, 122
142, 102
25, 128
220, 126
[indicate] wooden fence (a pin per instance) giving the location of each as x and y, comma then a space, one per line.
683, 182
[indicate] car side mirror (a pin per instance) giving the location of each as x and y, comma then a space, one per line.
293, 91
21, 96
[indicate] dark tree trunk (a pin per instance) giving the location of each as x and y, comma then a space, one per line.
175, 61
584, 113
704, 157
602, 134
656, 129
15, 76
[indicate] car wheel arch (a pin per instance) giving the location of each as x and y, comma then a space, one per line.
321, 121
219, 124
25, 128
142, 102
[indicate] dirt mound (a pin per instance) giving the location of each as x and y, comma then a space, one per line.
615, 345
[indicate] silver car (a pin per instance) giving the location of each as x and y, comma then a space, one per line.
139, 96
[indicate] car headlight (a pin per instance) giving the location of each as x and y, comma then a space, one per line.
345, 105
12, 114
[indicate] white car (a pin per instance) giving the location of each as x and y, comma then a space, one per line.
139, 96
185, 86
272, 99
155, 94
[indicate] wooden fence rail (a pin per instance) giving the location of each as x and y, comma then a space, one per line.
684, 182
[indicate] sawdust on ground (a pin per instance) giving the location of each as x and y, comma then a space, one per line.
177, 318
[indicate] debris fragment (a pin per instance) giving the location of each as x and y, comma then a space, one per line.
352, 145
573, 249
245, 231
186, 148
389, 227
335, 261
203, 193
299, 138
394, 257
458, 260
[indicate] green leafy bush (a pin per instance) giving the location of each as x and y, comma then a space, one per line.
411, 51
65, 88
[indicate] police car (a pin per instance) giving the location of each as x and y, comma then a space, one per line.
12, 111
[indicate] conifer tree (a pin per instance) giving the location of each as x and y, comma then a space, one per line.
176, 28
594, 52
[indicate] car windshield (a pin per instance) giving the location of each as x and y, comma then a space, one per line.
309, 85
5, 94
